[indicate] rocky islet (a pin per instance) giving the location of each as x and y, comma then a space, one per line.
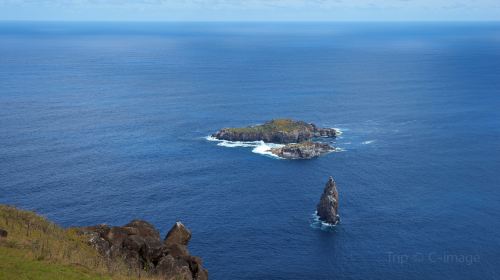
296, 136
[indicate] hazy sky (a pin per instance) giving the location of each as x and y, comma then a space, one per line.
268, 10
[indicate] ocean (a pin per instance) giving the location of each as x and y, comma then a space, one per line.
108, 122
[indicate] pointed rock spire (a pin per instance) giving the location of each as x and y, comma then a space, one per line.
328, 205
178, 234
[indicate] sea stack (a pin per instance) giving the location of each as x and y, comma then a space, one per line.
328, 205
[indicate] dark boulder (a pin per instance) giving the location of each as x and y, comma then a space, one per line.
169, 265
178, 234
195, 264
327, 208
134, 243
139, 246
177, 250
153, 249
117, 235
144, 229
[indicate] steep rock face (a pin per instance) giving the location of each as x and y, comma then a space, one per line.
282, 131
138, 243
304, 150
179, 234
328, 205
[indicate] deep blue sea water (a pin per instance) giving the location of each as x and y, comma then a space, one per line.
105, 122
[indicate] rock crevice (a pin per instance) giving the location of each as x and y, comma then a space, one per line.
3, 233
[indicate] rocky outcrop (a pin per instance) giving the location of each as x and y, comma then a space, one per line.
3, 233
179, 234
327, 208
304, 150
139, 245
281, 131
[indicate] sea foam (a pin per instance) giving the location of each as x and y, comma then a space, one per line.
259, 147
318, 224
338, 131
367, 142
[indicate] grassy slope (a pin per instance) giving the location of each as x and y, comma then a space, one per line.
36, 248
15, 265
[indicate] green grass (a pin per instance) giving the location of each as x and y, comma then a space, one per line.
15, 265
283, 125
36, 248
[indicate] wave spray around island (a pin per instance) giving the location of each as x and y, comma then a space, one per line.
318, 224
259, 147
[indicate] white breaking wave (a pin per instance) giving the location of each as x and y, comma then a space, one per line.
259, 147
367, 142
317, 223
265, 149
338, 131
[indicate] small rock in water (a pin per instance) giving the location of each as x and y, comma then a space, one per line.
328, 205
304, 150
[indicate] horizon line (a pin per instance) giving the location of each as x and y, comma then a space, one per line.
255, 21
